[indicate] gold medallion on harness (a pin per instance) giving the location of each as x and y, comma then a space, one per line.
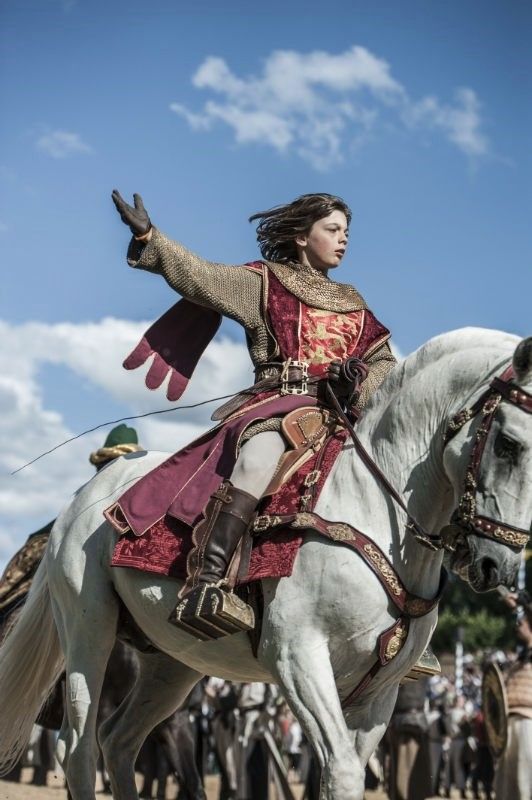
396, 642
304, 520
340, 532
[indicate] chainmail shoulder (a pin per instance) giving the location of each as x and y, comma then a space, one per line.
315, 289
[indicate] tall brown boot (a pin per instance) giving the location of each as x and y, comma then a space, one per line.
206, 610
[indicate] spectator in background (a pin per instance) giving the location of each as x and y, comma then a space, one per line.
484, 768
438, 736
459, 729
223, 696
250, 748
513, 780
408, 743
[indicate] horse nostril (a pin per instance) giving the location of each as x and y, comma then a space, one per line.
489, 571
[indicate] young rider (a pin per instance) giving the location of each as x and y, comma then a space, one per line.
300, 326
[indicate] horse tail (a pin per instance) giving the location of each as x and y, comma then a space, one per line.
31, 662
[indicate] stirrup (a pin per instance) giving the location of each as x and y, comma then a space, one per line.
210, 612
426, 666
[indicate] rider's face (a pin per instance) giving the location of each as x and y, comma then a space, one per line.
325, 244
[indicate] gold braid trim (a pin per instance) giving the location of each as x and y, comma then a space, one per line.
109, 453
385, 569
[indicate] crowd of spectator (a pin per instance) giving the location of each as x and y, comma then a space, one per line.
246, 734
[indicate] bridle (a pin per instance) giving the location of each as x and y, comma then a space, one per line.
501, 389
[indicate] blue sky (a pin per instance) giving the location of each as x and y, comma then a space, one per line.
417, 113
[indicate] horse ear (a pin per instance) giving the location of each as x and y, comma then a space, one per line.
522, 361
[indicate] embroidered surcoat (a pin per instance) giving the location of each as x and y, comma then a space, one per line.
242, 293
288, 311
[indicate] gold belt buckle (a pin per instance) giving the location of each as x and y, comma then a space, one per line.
312, 478
262, 523
302, 388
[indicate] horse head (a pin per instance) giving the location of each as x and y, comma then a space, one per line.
490, 469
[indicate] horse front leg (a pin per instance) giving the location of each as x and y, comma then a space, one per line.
367, 724
303, 669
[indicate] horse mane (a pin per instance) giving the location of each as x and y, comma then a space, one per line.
493, 348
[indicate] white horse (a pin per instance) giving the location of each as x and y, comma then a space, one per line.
320, 625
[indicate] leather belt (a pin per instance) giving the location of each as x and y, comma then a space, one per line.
287, 377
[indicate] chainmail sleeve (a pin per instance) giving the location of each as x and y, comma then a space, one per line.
232, 291
379, 363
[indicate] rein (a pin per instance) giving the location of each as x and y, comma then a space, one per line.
435, 542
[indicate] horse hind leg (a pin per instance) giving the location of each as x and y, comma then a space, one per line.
162, 685
87, 631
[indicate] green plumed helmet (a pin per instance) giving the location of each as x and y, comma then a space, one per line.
121, 435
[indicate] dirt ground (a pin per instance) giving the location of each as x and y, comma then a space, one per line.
55, 790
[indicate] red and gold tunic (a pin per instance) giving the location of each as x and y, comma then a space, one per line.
318, 336
288, 313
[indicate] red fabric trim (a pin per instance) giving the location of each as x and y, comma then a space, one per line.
163, 340
283, 314
163, 548
372, 331
255, 266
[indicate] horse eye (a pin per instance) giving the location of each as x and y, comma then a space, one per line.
507, 448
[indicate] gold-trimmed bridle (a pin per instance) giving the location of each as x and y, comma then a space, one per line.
466, 517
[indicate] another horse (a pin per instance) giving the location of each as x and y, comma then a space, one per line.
321, 625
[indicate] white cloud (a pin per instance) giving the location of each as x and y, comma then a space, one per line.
317, 104
462, 122
62, 144
197, 122
95, 352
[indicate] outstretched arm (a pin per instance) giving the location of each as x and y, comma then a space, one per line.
230, 290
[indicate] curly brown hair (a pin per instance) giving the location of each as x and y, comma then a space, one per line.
279, 226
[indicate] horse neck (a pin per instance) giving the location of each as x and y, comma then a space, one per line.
403, 431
